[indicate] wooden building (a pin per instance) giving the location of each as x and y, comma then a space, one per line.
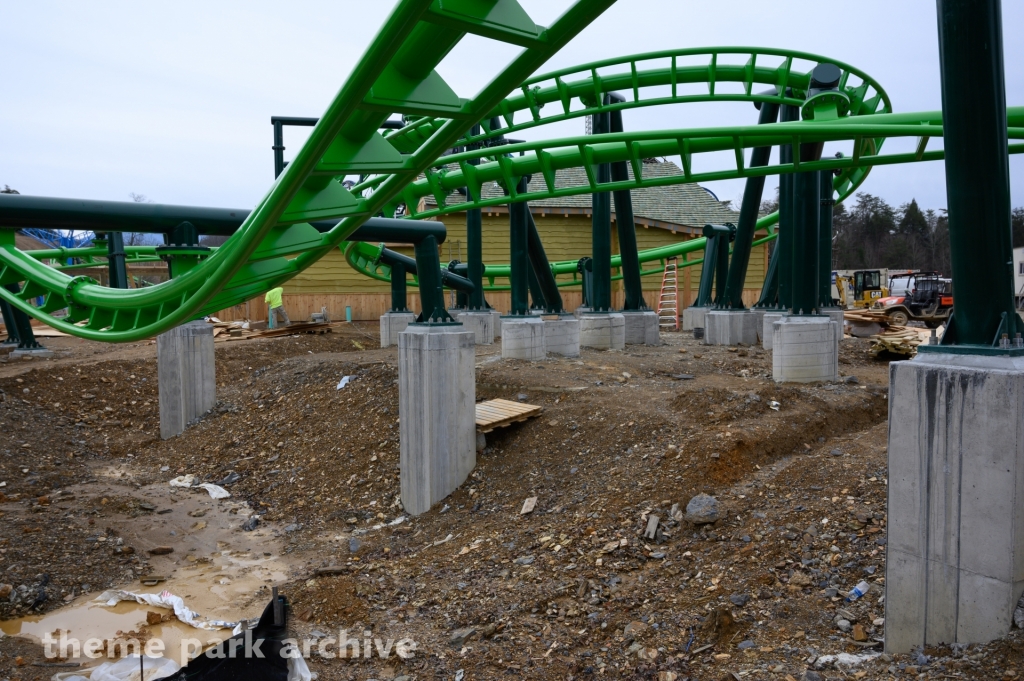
663, 215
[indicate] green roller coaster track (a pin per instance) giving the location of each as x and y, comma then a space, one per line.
396, 75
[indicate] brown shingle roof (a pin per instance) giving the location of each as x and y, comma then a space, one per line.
685, 205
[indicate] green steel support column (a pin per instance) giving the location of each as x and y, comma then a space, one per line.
22, 325
806, 213
823, 103
785, 241
749, 211
428, 266
585, 266
519, 260
977, 172
537, 301
628, 252
474, 245
722, 263
770, 289
707, 273
541, 269
825, 238
601, 244
9, 323
398, 289
118, 273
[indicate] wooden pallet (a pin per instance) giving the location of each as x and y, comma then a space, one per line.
500, 413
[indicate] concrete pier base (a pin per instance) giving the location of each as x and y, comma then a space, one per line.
768, 320
955, 553
437, 417
836, 315
186, 383
496, 321
480, 323
37, 353
641, 327
392, 324
805, 349
603, 331
562, 336
693, 317
727, 327
522, 338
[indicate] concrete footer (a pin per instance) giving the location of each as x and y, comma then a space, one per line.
392, 324
437, 416
693, 317
731, 327
603, 331
768, 319
186, 383
955, 546
805, 349
641, 327
522, 337
480, 323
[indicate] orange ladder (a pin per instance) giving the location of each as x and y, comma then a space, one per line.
668, 301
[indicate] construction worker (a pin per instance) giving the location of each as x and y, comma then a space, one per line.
276, 305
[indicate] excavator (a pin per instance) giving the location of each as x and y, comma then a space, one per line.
858, 289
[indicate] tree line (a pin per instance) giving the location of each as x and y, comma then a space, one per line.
872, 234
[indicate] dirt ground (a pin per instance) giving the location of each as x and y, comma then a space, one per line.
573, 590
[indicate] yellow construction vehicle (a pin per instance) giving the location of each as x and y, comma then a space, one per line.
858, 289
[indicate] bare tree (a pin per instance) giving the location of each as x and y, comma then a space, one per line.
7, 190
138, 238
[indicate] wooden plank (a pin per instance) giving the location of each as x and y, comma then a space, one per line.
499, 413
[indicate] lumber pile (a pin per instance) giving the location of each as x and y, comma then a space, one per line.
866, 316
234, 331
897, 340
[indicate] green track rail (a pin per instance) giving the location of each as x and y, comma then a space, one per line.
396, 75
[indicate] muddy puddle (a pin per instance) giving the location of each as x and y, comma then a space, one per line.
221, 572
124, 621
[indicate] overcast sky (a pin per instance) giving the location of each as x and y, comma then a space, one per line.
173, 100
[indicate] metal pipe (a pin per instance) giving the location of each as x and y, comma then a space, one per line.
601, 228
625, 223
19, 211
749, 210
977, 172
411, 266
